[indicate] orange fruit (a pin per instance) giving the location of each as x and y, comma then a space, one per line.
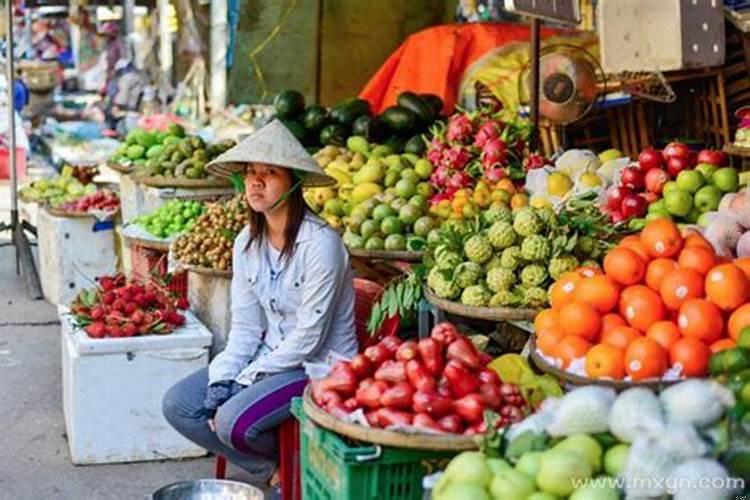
547, 340
545, 319
727, 286
680, 285
641, 307
599, 291
621, 336
612, 320
624, 266
571, 347
579, 318
697, 258
665, 333
662, 238
738, 320
589, 271
701, 319
656, 271
744, 264
692, 355
695, 239
723, 345
645, 358
634, 243
605, 361
561, 291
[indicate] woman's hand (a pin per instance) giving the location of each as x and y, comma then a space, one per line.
211, 424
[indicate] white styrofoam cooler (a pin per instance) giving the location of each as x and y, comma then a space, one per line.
113, 390
72, 252
211, 299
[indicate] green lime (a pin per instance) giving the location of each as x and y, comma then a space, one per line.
382, 211
375, 243
395, 242
409, 214
368, 228
391, 225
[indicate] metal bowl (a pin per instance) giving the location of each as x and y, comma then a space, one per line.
208, 489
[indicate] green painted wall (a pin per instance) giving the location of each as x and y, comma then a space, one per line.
356, 36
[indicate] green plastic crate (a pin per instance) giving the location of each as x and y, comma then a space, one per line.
335, 468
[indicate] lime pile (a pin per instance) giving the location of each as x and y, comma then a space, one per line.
63, 188
177, 216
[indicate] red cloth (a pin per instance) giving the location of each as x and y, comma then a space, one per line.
434, 60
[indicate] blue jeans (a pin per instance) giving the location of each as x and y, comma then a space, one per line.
245, 424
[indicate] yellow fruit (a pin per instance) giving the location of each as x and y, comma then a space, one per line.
519, 200
481, 185
365, 191
506, 185
609, 155
558, 184
482, 198
500, 195
590, 179
540, 202
462, 194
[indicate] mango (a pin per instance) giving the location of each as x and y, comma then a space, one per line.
364, 191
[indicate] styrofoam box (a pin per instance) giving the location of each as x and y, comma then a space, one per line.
71, 254
113, 390
211, 299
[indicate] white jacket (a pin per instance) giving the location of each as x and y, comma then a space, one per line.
298, 316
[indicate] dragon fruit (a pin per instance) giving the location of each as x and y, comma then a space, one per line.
460, 180
459, 128
436, 149
534, 161
455, 158
487, 132
495, 174
494, 153
440, 176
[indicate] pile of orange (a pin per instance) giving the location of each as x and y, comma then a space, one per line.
663, 300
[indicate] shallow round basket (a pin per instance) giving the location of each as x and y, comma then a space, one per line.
578, 381
737, 150
208, 489
162, 246
420, 441
206, 271
118, 167
181, 182
77, 215
402, 255
485, 313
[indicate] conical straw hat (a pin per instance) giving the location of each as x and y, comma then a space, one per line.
275, 145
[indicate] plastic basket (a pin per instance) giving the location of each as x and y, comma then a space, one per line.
333, 468
366, 292
144, 261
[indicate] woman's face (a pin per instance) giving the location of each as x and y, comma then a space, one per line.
265, 184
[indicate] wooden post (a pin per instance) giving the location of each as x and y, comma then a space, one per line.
534, 94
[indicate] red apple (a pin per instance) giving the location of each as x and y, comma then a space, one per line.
676, 150
617, 217
633, 205
615, 195
675, 165
632, 177
712, 156
655, 180
650, 197
650, 158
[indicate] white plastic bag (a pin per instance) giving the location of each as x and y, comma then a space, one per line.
583, 410
636, 412
696, 402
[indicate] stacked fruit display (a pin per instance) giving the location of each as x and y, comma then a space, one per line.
441, 383
592, 444
57, 190
117, 308
211, 240
511, 257
399, 127
664, 303
175, 217
101, 201
475, 146
168, 154
671, 183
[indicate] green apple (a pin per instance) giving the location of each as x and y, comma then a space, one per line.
727, 179
706, 169
469, 467
540, 495
668, 186
690, 180
658, 207
529, 463
693, 216
511, 483
462, 491
596, 490
497, 465
678, 202
615, 459
653, 217
707, 198
560, 469
586, 445
704, 219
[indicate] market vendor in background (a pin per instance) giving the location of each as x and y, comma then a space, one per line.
292, 303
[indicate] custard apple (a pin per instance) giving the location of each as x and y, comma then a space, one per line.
478, 249
534, 297
535, 248
476, 295
547, 216
526, 222
468, 273
495, 261
511, 258
500, 278
501, 235
442, 286
586, 245
561, 265
533, 275
591, 263
498, 214
504, 298
447, 260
